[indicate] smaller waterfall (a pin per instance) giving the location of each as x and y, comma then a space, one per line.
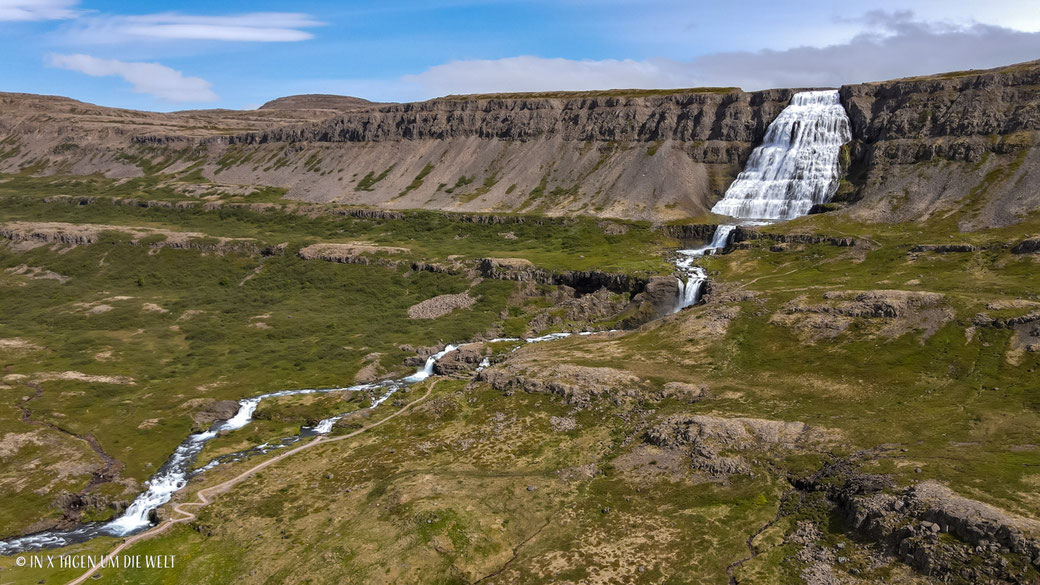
691, 289
427, 369
720, 240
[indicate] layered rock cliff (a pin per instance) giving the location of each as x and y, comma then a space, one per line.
649, 155
922, 147
959, 142
725, 115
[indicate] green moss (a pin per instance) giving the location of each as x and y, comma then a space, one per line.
417, 181
369, 180
486, 186
460, 182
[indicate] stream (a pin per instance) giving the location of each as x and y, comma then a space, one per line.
175, 473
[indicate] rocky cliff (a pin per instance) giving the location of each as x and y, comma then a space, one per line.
648, 155
726, 115
960, 141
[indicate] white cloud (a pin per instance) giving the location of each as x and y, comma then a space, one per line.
528, 73
148, 78
892, 44
24, 10
264, 27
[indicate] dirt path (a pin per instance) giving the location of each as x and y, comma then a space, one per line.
745, 284
203, 496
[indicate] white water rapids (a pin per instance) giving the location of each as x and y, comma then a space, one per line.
692, 288
794, 168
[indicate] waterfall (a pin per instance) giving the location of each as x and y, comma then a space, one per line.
720, 239
796, 166
690, 290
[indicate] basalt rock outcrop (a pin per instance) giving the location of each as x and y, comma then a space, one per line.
73, 234
1027, 246
578, 385
656, 299
353, 253
583, 281
888, 313
983, 320
944, 248
721, 446
692, 232
931, 528
461, 361
745, 234
212, 411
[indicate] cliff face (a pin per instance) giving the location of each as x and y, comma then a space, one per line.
960, 142
647, 155
723, 115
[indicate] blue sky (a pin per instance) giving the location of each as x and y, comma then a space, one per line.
181, 55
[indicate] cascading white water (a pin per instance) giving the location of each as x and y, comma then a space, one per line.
427, 369
691, 289
324, 427
720, 239
796, 166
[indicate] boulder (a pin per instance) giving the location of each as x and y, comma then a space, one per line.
460, 361
210, 412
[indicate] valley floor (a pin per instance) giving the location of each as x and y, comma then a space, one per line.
852, 403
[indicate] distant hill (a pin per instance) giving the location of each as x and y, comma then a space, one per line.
316, 101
